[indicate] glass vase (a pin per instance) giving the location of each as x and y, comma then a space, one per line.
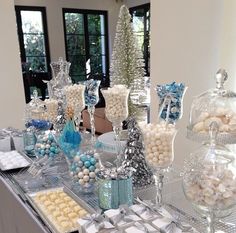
91, 99
158, 142
116, 111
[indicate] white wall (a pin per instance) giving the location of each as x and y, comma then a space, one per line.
228, 40
132, 3
55, 20
11, 88
185, 47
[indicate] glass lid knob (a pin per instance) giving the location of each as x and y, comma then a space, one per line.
221, 77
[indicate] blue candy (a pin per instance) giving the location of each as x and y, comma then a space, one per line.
93, 161
175, 92
87, 164
42, 152
92, 168
52, 149
83, 158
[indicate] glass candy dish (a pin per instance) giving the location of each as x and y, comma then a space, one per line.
35, 109
209, 179
215, 105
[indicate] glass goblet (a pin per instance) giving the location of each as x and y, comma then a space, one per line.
116, 111
159, 151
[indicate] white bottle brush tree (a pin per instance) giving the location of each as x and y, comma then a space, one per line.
127, 60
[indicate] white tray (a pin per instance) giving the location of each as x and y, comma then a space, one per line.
3, 168
45, 218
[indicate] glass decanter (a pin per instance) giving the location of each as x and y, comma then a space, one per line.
215, 105
75, 100
91, 99
116, 111
209, 180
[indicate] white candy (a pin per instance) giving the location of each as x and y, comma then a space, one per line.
52, 106
75, 96
158, 152
116, 102
214, 187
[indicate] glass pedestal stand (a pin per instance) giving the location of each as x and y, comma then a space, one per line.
91, 110
117, 127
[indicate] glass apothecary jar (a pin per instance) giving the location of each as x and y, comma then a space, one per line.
209, 179
35, 109
215, 105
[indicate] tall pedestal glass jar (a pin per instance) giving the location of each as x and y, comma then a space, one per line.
116, 111
158, 142
91, 99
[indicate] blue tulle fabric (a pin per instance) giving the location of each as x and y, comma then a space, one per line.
70, 140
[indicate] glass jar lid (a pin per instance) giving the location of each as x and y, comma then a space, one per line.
215, 105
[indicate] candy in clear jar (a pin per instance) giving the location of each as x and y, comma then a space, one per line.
215, 105
176, 92
46, 145
116, 99
209, 179
91, 92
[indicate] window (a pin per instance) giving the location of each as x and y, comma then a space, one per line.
34, 48
141, 25
86, 38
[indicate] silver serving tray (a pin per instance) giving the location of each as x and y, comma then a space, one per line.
45, 218
18, 167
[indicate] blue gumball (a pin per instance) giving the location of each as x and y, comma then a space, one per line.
42, 152
83, 158
80, 164
92, 168
50, 138
87, 164
56, 151
93, 161
52, 149
51, 154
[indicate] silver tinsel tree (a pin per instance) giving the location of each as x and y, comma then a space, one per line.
127, 60
134, 155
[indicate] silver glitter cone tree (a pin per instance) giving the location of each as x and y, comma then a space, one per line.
134, 155
127, 63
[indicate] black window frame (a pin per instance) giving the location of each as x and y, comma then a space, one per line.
85, 13
146, 8
18, 9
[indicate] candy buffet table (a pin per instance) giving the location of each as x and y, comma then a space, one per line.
17, 216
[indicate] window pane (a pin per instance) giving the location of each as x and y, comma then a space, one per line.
77, 65
75, 45
34, 45
138, 20
98, 64
32, 22
78, 78
37, 64
96, 24
140, 41
97, 45
74, 23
